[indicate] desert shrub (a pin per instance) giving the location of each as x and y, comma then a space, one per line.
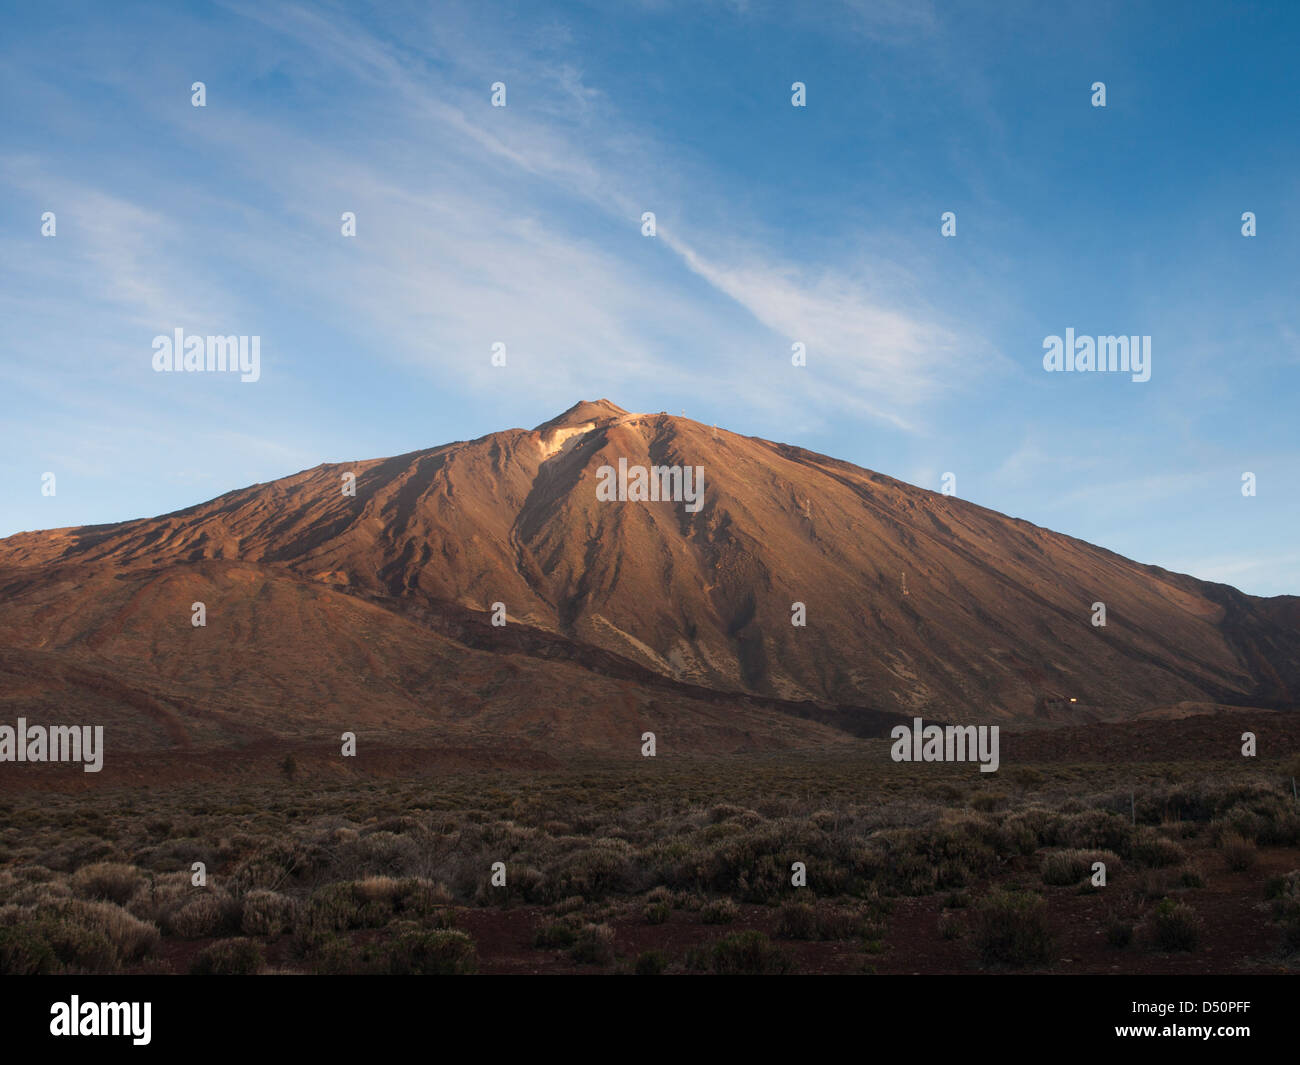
651, 963
34, 874
754, 865
377, 853
83, 935
1096, 829
1148, 848
330, 954
911, 875
160, 894
725, 812
74, 853
398, 824
24, 951
950, 926
719, 911
335, 907
1284, 892
266, 872
593, 945
1010, 928
748, 953
826, 820
1173, 925
1241, 821
559, 935
1021, 838
208, 913
1284, 831
797, 920
32, 937
899, 861
1206, 800
22, 892
1119, 932
837, 922
1290, 926
974, 844
574, 903
1152, 884
110, 881
432, 952
131, 937
411, 896
1034, 827
524, 882
607, 865
78, 947
175, 855
372, 902
656, 912
229, 957
914, 861
951, 874
1238, 852
688, 901
1025, 778
1266, 816
1068, 867
266, 913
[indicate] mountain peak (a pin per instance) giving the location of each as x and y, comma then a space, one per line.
585, 410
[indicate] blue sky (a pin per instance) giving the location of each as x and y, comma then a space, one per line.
776, 224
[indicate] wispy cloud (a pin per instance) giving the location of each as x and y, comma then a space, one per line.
513, 256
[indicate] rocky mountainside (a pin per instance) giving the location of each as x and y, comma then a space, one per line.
373, 610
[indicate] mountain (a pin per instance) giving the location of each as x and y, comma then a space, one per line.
372, 611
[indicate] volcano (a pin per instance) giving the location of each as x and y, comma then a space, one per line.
484, 594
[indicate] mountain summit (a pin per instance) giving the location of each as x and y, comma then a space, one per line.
377, 608
583, 412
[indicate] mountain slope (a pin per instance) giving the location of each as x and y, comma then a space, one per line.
326, 606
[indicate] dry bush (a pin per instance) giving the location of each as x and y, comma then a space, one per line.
208, 913
1149, 848
430, 952
719, 911
110, 881
229, 957
74, 935
593, 945
748, 953
1010, 928
130, 936
266, 913
1068, 867
1172, 926
1239, 853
